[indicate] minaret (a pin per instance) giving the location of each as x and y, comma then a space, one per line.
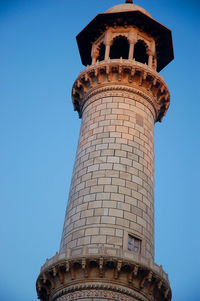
107, 245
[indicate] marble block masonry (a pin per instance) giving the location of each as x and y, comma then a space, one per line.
107, 245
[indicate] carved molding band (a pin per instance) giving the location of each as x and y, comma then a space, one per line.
98, 291
127, 73
102, 272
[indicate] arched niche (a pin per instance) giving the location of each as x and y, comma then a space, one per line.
140, 52
119, 48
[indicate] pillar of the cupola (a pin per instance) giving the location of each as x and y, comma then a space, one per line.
108, 43
132, 40
151, 54
94, 53
150, 60
154, 63
131, 50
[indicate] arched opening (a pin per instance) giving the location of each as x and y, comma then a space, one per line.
140, 52
101, 52
119, 48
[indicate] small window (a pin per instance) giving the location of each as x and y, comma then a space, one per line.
134, 244
139, 120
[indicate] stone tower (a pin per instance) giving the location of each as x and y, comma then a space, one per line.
107, 245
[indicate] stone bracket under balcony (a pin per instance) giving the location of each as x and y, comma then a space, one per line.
134, 280
117, 73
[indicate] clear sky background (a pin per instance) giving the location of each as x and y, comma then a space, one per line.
39, 62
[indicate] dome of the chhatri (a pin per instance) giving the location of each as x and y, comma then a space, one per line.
127, 7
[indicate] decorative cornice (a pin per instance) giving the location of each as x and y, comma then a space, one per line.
102, 272
115, 74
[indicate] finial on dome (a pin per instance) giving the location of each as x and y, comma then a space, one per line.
129, 1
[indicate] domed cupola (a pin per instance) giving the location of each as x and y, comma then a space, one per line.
129, 32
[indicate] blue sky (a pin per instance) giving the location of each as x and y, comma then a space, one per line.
39, 62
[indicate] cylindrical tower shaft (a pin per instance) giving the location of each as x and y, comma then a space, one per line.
111, 196
107, 245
